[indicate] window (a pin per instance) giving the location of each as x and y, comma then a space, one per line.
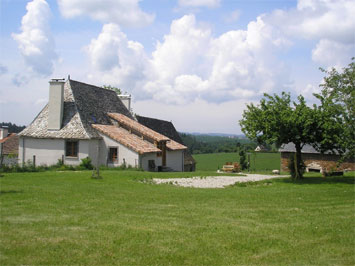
71, 148
113, 155
151, 165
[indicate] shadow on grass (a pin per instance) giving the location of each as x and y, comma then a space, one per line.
10, 191
321, 180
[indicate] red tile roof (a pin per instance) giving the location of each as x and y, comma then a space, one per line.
173, 145
145, 131
127, 139
10, 144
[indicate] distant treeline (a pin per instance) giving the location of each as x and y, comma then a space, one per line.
200, 144
13, 128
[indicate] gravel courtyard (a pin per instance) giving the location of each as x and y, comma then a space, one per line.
214, 181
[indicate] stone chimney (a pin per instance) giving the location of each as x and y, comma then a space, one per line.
126, 100
56, 102
4, 132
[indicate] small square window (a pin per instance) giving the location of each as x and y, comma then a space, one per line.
113, 155
71, 148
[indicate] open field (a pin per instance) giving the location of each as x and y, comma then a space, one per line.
259, 161
68, 218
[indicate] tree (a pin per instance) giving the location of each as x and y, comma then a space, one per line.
278, 120
115, 89
337, 100
243, 160
13, 128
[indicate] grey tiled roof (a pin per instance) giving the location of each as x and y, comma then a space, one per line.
290, 147
84, 105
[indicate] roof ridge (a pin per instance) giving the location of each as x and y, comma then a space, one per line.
91, 85
155, 119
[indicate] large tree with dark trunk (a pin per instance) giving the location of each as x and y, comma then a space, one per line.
277, 119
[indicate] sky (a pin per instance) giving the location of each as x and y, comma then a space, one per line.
197, 63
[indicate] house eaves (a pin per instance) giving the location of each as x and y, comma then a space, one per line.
127, 139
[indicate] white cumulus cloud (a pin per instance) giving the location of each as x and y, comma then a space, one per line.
122, 12
117, 60
199, 3
332, 53
35, 41
189, 63
329, 22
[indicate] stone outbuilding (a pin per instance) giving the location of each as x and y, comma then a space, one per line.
314, 160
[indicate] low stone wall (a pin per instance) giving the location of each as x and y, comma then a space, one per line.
327, 162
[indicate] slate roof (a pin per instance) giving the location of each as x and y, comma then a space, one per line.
84, 105
10, 144
165, 128
290, 147
127, 139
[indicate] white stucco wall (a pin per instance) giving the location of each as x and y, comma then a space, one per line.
175, 160
125, 154
94, 148
48, 151
150, 156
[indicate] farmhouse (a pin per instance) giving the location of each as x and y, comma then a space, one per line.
82, 120
314, 160
8, 147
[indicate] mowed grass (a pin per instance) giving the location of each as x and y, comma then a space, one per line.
66, 218
259, 161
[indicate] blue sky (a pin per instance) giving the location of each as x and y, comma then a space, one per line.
194, 62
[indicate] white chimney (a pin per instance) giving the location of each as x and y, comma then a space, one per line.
126, 100
4, 132
56, 101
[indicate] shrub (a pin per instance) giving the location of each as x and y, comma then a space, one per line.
59, 163
86, 164
243, 160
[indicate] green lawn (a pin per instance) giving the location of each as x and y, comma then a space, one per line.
66, 218
259, 161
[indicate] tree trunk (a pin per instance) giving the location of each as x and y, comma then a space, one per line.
298, 162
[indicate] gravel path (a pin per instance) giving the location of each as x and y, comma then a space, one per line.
214, 181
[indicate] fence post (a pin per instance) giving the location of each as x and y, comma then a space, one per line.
34, 160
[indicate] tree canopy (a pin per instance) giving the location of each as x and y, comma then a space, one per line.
115, 89
338, 111
327, 127
279, 120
